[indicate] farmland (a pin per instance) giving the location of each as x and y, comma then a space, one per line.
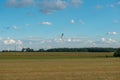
59, 66
53, 55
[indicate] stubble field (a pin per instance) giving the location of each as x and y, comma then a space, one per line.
59, 66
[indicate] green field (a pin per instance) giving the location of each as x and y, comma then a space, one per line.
59, 66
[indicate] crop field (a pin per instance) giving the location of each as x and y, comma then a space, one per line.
59, 66
53, 55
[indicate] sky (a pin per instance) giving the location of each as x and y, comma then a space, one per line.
41, 23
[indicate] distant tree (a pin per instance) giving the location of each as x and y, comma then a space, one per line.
117, 53
5, 51
27, 50
23, 50
94, 49
41, 50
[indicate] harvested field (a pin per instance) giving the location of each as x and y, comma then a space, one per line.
54, 55
60, 69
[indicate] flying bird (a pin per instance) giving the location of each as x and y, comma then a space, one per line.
62, 35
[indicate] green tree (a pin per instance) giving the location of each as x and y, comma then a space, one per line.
27, 50
23, 50
41, 50
117, 53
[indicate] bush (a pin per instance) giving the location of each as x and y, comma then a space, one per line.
117, 53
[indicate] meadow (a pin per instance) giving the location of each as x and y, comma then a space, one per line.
59, 66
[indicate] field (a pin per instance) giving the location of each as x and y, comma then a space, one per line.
59, 66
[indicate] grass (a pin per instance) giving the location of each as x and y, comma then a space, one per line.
62, 67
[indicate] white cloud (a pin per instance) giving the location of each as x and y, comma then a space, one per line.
12, 41
76, 2
58, 42
112, 33
11, 3
46, 23
27, 2
66, 40
9, 41
103, 39
72, 21
108, 41
19, 42
45, 6
19, 3
48, 7
69, 40
92, 43
112, 40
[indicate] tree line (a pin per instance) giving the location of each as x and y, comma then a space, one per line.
95, 49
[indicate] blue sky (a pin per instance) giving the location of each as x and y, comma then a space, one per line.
40, 23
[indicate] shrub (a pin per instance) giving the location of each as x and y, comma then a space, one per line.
117, 53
